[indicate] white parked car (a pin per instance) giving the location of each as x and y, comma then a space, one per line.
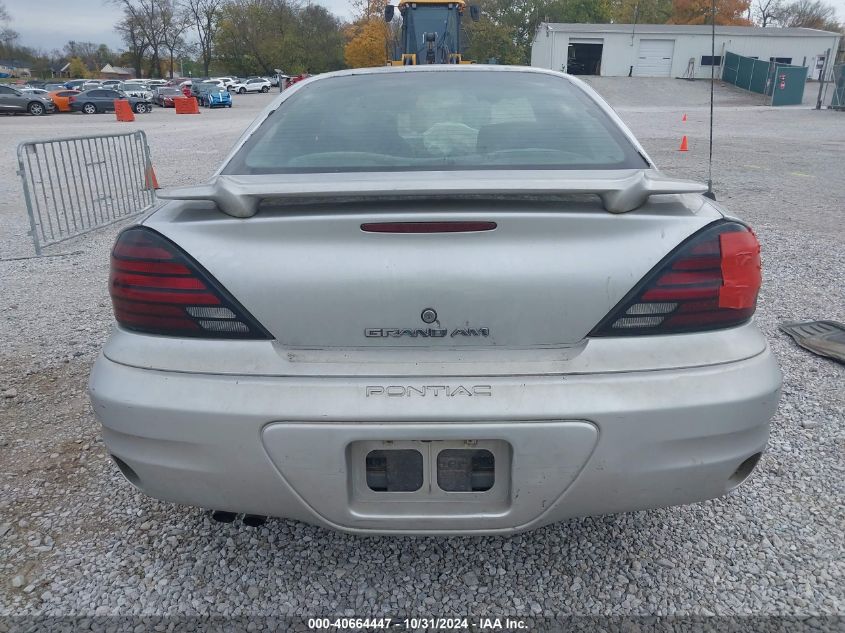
136, 89
227, 81
219, 82
256, 84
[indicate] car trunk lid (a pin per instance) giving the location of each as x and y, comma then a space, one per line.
542, 274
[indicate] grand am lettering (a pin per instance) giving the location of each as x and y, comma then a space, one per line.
481, 332
424, 391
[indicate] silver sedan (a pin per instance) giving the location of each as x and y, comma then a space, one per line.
436, 300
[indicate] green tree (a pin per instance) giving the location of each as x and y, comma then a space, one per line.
521, 18
590, 11
642, 11
319, 40
489, 40
255, 35
77, 68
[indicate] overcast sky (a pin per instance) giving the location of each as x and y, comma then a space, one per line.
48, 24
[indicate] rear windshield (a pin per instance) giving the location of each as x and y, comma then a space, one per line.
436, 121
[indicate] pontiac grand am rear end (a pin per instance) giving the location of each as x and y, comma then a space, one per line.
436, 300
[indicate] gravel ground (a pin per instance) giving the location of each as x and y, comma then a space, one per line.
76, 539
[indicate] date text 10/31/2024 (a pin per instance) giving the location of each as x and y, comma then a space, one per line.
414, 624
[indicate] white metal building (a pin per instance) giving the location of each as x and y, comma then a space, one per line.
672, 50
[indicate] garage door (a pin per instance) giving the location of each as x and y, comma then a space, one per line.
655, 58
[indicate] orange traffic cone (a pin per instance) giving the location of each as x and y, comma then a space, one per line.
150, 179
684, 118
684, 144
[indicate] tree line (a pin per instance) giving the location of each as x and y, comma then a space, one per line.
164, 38
236, 36
507, 27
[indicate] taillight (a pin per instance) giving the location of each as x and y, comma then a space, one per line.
709, 282
71, 99
156, 288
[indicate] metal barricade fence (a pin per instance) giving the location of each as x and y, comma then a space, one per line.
75, 185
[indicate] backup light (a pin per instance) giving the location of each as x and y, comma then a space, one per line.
156, 288
709, 282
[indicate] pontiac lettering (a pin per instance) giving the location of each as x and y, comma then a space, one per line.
435, 391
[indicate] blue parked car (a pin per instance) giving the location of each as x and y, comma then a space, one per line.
215, 98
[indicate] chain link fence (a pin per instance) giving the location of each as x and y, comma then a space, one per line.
74, 185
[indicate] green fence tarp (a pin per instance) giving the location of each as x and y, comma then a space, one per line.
745, 72
782, 82
838, 100
787, 85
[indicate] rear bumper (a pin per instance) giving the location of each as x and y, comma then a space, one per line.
578, 445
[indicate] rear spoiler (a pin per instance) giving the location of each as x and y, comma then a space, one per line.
620, 191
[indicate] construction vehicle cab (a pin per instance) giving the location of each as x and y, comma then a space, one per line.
431, 31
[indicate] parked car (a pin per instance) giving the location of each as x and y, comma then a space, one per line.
251, 85
135, 89
13, 101
111, 83
518, 355
214, 96
152, 84
197, 87
61, 98
75, 84
227, 81
164, 95
35, 91
102, 100
90, 84
290, 81
53, 87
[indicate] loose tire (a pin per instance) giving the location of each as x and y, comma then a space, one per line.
140, 108
89, 108
241, 91
265, 89
36, 109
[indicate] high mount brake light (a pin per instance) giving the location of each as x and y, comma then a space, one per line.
709, 282
427, 227
156, 288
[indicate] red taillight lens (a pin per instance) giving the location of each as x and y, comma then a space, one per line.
71, 99
156, 288
709, 282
